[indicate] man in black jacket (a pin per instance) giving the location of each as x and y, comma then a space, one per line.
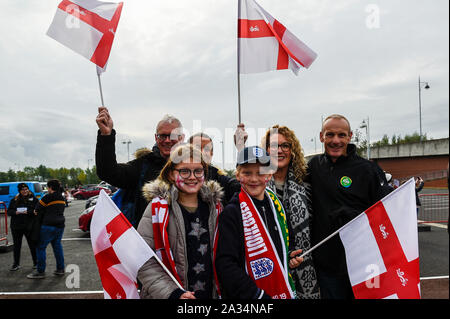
343, 186
128, 175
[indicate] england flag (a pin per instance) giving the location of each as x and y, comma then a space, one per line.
382, 250
266, 45
87, 27
119, 250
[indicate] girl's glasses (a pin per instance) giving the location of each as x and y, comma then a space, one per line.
186, 173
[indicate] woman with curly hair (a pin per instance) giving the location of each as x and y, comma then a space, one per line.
288, 183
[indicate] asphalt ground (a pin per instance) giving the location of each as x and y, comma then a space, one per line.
82, 274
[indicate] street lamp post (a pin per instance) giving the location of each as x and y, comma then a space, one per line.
426, 87
128, 148
367, 127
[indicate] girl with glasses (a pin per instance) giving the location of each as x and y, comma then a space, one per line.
179, 225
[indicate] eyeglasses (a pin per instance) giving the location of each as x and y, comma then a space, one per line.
186, 173
284, 146
163, 137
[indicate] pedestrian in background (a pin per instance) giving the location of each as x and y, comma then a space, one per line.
419, 187
50, 210
23, 221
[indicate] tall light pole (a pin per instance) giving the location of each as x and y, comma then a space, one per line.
315, 144
89, 161
128, 148
426, 87
365, 125
223, 155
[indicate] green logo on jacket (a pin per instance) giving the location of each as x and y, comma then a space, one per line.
346, 181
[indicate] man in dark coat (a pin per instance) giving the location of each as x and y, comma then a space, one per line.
128, 175
343, 186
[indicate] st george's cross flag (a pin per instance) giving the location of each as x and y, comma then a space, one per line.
382, 250
264, 44
119, 250
87, 27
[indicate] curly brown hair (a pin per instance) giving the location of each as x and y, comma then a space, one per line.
298, 162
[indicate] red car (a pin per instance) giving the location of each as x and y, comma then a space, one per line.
84, 221
85, 193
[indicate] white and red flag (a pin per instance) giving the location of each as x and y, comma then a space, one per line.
119, 250
382, 250
266, 45
87, 27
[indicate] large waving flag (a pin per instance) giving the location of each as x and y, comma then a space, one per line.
87, 27
119, 250
266, 45
381, 248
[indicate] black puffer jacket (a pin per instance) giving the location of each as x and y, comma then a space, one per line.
22, 221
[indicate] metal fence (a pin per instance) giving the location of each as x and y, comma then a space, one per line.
3, 225
434, 208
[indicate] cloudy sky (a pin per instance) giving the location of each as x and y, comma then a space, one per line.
179, 57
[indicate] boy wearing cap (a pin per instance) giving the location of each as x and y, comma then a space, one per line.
251, 256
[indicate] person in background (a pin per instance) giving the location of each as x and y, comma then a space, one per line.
230, 185
419, 186
23, 222
50, 211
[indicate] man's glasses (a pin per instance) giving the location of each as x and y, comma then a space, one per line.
171, 137
186, 173
284, 147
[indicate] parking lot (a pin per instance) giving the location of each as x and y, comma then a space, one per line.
82, 275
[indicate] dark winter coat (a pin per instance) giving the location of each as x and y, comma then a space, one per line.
340, 192
23, 221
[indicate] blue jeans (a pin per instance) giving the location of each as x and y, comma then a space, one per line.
53, 235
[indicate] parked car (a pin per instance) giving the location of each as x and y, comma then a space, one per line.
85, 193
73, 191
84, 221
9, 190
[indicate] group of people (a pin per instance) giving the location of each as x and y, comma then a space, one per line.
243, 237
41, 222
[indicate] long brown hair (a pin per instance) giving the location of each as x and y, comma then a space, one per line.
179, 154
298, 162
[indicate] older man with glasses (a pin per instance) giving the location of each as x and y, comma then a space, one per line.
146, 167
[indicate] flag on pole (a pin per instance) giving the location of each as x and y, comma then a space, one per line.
381, 248
87, 27
266, 45
112, 236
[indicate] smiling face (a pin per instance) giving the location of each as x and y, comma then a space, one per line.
280, 150
253, 182
188, 176
335, 136
167, 136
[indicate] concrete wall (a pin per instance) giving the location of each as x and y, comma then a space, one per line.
427, 148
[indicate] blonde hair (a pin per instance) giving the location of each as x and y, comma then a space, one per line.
298, 162
178, 155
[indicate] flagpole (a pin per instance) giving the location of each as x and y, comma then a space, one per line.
100, 86
169, 273
238, 66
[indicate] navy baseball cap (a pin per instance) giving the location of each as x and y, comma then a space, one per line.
253, 154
